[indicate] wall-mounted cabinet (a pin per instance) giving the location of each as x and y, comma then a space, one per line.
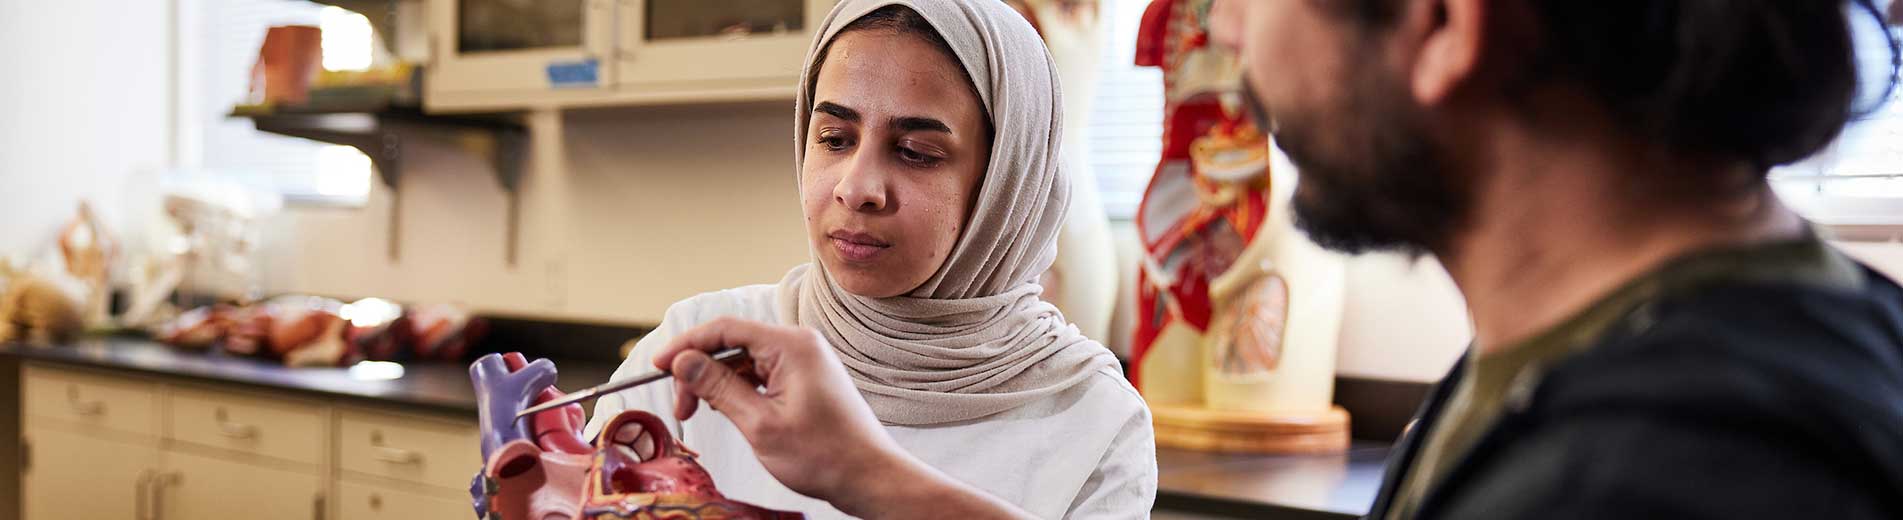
516, 54
517, 48
698, 44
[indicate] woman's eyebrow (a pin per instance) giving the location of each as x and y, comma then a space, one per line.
914, 124
832, 109
902, 124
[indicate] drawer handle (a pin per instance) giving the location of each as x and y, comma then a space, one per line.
395, 455
158, 485
83, 408
237, 431
141, 495
233, 430
391, 455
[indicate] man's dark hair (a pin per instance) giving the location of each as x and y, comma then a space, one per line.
1766, 81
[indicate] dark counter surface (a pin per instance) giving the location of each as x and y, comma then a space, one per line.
1242, 486
1271, 486
437, 386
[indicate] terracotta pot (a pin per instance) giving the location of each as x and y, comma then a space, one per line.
286, 63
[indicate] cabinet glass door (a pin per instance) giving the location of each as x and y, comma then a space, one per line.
517, 50
733, 45
517, 25
682, 19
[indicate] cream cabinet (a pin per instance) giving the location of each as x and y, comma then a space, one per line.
91, 445
397, 465
419, 450
502, 49
95, 403
108, 445
241, 454
69, 474
516, 54
370, 502
206, 486
699, 45
290, 430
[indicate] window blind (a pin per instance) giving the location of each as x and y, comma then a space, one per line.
230, 149
1126, 121
1858, 179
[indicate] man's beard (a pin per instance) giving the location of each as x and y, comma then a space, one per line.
1370, 178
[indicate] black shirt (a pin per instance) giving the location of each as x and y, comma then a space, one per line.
1730, 397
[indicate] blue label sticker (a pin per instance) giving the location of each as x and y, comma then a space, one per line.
584, 73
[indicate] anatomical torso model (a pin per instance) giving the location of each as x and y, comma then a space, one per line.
540, 468
1237, 312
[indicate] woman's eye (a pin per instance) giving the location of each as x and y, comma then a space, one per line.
916, 158
832, 142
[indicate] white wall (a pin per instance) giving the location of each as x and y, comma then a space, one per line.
1886, 257
84, 90
643, 208
1404, 320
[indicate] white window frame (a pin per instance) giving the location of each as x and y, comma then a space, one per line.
1876, 215
1126, 131
192, 101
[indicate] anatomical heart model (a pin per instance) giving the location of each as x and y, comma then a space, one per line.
540, 468
1237, 312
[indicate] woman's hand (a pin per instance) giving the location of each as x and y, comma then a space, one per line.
809, 426
807, 398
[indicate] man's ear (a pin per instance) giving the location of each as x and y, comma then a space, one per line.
1453, 42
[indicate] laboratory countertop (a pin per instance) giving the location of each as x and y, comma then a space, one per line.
435, 386
1205, 484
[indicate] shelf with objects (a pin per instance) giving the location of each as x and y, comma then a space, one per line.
381, 132
375, 108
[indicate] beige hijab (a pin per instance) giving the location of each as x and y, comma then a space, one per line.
974, 340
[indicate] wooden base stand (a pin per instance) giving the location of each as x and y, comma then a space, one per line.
1250, 432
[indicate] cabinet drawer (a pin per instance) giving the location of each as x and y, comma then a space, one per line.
90, 401
364, 502
195, 487
80, 476
430, 452
278, 428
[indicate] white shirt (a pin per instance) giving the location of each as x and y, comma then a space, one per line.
1087, 452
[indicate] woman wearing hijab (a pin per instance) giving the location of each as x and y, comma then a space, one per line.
928, 160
